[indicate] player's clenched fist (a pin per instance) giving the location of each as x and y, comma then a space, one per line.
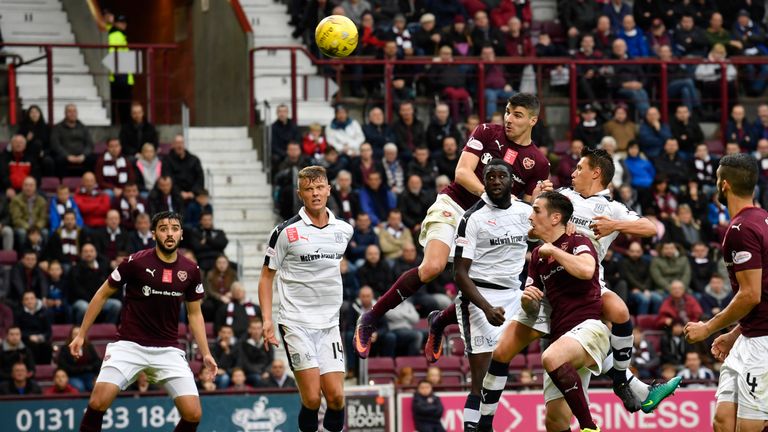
495, 315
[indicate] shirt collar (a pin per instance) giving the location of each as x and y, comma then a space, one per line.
305, 217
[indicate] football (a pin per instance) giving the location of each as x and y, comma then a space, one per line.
336, 36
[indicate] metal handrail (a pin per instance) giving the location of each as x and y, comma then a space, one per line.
338, 65
240, 257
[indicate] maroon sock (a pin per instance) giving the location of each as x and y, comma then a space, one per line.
91, 421
568, 381
186, 426
445, 318
405, 286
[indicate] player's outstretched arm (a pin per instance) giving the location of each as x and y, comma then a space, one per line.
603, 226
265, 302
94, 309
465, 173
197, 327
495, 315
581, 266
743, 302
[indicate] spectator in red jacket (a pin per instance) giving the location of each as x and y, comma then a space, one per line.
679, 306
61, 384
113, 169
511, 8
314, 143
93, 203
17, 164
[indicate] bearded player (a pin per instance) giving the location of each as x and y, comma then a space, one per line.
156, 282
512, 143
742, 393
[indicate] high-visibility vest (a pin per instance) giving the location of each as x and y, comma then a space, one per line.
118, 42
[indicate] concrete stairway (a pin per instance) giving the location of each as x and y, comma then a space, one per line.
269, 21
44, 21
241, 195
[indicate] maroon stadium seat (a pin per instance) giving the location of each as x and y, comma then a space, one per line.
456, 345
60, 332
183, 331
209, 330
99, 148
49, 184
8, 257
518, 362
73, 183
646, 322
534, 361
450, 363
101, 348
195, 366
534, 346
653, 337
103, 332
418, 363
421, 324
382, 379
44, 372
452, 329
381, 365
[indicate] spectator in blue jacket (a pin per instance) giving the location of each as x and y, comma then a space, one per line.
637, 43
653, 134
376, 199
362, 237
640, 169
59, 205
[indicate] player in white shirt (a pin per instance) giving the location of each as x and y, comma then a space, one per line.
601, 219
305, 252
489, 255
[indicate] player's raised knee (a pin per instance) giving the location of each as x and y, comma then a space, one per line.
550, 361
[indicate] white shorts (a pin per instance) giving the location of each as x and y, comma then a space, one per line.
441, 221
539, 322
478, 334
313, 348
744, 378
124, 360
593, 335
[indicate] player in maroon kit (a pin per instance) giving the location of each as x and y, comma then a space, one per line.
565, 270
156, 282
510, 142
742, 393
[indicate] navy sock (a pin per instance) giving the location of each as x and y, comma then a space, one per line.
333, 420
308, 419
91, 421
186, 426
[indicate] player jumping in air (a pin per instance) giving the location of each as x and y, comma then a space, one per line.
156, 282
512, 143
742, 393
305, 253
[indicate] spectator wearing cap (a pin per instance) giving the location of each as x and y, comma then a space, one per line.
627, 79
354, 9
184, 168
113, 169
680, 84
590, 129
616, 10
621, 128
458, 37
753, 40
578, 17
689, 40
427, 38
377, 132
637, 43
716, 33
484, 34
344, 133
137, 132
658, 36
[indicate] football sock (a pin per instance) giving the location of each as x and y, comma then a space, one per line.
405, 286
445, 318
186, 426
639, 388
333, 420
493, 386
621, 345
307, 419
568, 381
91, 421
471, 410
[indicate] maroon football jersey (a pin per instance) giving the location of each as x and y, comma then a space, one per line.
745, 247
488, 141
154, 291
573, 300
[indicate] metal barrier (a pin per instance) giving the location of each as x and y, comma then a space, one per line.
339, 65
149, 55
